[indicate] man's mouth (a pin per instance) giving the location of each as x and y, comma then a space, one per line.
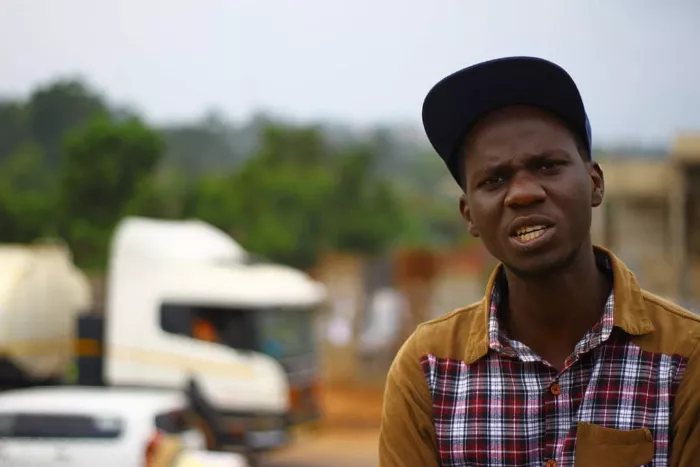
530, 233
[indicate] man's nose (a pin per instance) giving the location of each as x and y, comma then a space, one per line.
524, 190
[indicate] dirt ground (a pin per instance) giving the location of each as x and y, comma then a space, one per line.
331, 448
346, 437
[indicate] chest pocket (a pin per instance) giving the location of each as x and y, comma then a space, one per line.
598, 446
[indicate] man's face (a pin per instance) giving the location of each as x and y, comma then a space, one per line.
528, 192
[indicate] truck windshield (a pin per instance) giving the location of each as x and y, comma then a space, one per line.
286, 333
278, 332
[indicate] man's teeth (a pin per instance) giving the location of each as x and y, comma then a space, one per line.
527, 234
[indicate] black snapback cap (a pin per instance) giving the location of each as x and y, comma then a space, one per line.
456, 103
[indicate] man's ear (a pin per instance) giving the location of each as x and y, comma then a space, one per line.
467, 216
598, 184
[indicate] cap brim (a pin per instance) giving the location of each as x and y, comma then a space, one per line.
456, 103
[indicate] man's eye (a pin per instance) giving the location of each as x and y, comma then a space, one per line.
493, 180
548, 166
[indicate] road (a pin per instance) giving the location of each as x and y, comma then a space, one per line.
355, 447
347, 436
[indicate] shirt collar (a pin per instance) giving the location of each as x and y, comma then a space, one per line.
627, 302
498, 340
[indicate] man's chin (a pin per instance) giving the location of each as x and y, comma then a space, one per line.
541, 267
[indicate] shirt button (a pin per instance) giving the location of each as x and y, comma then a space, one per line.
556, 390
551, 463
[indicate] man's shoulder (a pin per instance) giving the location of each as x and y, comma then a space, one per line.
454, 335
676, 329
459, 317
674, 310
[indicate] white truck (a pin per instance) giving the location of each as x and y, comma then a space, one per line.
185, 307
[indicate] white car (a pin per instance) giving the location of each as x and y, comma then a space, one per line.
90, 426
192, 458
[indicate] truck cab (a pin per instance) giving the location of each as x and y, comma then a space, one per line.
185, 302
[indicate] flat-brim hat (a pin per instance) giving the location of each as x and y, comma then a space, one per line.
456, 103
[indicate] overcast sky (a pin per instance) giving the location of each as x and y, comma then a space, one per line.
637, 62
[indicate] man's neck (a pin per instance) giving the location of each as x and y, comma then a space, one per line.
551, 314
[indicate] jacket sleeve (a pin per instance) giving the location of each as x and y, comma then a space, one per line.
686, 415
407, 436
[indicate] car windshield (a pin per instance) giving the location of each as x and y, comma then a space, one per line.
37, 425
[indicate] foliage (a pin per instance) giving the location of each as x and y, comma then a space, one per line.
167, 194
14, 129
294, 198
56, 109
72, 165
366, 212
27, 196
200, 147
434, 218
103, 166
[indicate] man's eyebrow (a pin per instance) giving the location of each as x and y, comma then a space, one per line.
538, 157
546, 153
490, 169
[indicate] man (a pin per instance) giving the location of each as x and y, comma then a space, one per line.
565, 361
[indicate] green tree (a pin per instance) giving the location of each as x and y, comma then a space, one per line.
201, 147
104, 165
27, 197
166, 194
302, 146
433, 219
14, 131
297, 197
282, 210
57, 108
365, 210
275, 205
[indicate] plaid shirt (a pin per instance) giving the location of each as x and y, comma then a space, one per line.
510, 408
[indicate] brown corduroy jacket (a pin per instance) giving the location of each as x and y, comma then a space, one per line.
408, 436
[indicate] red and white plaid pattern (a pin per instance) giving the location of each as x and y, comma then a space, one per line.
501, 411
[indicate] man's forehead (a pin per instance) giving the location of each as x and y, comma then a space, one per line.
517, 119
513, 132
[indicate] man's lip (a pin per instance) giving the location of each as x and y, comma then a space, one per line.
534, 244
528, 221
